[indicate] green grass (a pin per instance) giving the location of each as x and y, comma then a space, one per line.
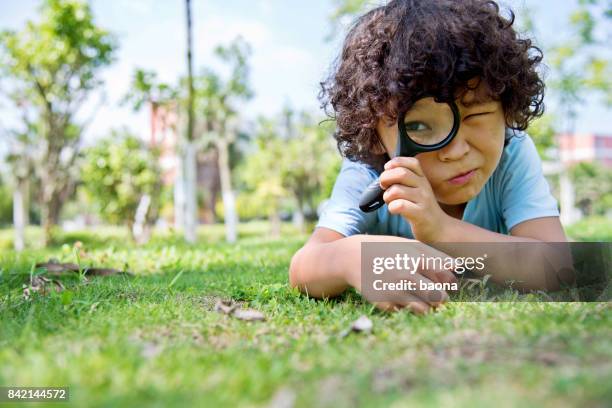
153, 339
596, 228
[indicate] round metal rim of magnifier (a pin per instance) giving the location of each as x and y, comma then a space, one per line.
428, 148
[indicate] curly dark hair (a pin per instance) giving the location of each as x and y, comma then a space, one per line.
395, 54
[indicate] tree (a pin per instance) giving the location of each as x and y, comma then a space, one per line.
121, 174
579, 65
345, 11
216, 102
187, 148
305, 163
593, 183
293, 160
260, 174
55, 64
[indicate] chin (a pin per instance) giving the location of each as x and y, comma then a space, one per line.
460, 197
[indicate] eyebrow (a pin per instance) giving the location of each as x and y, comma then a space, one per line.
477, 103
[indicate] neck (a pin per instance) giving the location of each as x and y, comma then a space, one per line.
454, 210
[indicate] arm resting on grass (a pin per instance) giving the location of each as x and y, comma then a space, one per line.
543, 264
324, 265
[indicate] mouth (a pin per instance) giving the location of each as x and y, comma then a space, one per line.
462, 178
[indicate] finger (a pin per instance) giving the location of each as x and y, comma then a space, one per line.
411, 163
442, 268
404, 207
422, 291
415, 305
399, 191
400, 175
436, 272
388, 306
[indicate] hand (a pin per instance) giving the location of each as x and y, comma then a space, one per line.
418, 301
408, 192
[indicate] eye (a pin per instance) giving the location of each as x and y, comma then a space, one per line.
416, 126
478, 114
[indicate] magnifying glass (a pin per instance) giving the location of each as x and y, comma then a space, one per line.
427, 126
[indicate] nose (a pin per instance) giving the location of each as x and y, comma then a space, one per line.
456, 149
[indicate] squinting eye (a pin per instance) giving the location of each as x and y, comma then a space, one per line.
415, 126
478, 114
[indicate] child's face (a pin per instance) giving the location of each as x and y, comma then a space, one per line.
476, 148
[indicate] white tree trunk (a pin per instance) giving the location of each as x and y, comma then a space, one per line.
229, 203
298, 219
139, 230
569, 213
179, 193
191, 204
19, 218
275, 224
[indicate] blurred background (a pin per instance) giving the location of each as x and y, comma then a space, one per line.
175, 116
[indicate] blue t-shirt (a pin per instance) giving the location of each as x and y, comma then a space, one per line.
516, 191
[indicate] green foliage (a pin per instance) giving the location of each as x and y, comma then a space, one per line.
542, 131
60, 56
579, 65
593, 184
216, 98
346, 9
53, 64
6, 204
293, 164
593, 228
117, 172
145, 87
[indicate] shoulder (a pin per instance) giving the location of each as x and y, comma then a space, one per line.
519, 156
357, 171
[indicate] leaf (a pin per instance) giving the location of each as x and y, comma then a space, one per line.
229, 307
225, 306
41, 285
250, 315
55, 268
362, 325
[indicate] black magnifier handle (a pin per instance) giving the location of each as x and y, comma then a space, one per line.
372, 197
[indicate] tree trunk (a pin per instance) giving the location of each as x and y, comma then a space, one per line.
191, 205
275, 224
141, 232
298, 219
229, 203
179, 193
19, 217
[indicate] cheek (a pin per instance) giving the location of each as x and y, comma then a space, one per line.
387, 132
431, 166
493, 146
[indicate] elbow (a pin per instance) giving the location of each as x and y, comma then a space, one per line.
294, 280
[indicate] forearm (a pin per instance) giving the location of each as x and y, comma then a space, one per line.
530, 267
327, 269
460, 231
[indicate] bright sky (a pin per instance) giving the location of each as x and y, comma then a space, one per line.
290, 54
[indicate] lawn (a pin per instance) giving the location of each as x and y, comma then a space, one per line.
154, 338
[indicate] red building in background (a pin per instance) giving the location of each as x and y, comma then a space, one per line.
165, 128
577, 147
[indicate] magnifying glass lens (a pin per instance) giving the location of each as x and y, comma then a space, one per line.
427, 126
429, 122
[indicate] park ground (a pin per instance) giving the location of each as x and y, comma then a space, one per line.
155, 338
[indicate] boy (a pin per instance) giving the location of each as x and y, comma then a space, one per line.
485, 186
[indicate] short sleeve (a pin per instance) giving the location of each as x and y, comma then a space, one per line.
341, 213
525, 193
